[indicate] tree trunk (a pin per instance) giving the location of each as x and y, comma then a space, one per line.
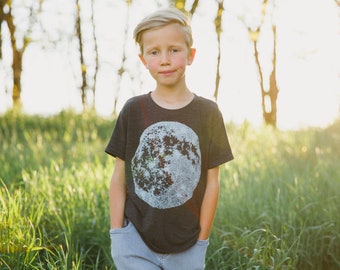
270, 113
96, 56
257, 60
122, 69
193, 7
17, 71
16, 56
268, 98
218, 27
180, 4
83, 68
1, 19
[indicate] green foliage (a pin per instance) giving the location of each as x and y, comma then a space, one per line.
54, 179
278, 206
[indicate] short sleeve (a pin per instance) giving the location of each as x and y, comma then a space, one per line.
117, 144
219, 148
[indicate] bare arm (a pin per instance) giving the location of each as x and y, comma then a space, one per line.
117, 194
209, 204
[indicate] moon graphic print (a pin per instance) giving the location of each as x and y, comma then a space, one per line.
166, 167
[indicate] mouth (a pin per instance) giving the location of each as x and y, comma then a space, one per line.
167, 72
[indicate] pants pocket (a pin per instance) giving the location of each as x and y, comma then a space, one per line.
118, 239
199, 252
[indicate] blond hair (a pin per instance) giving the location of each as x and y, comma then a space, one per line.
161, 18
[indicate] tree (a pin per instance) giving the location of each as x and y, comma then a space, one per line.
218, 27
19, 38
268, 96
121, 71
84, 58
96, 60
83, 68
180, 4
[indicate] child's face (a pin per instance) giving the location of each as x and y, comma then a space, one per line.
166, 55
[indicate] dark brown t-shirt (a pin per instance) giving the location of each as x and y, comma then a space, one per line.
167, 155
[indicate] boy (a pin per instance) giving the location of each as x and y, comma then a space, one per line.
168, 146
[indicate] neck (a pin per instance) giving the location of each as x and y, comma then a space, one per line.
172, 98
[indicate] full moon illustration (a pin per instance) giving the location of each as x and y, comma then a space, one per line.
166, 167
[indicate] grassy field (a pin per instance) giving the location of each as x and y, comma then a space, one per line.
279, 203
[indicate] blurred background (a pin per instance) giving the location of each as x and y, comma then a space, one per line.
264, 61
68, 66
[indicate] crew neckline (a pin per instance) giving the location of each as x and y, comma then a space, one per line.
172, 110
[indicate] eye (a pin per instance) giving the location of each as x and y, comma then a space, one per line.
154, 52
174, 50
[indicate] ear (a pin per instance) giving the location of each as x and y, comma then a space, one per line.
191, 56
143, 60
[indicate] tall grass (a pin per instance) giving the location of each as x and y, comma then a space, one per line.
54, 192
279, 203
280, 198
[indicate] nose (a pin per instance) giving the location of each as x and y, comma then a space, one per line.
165, 58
